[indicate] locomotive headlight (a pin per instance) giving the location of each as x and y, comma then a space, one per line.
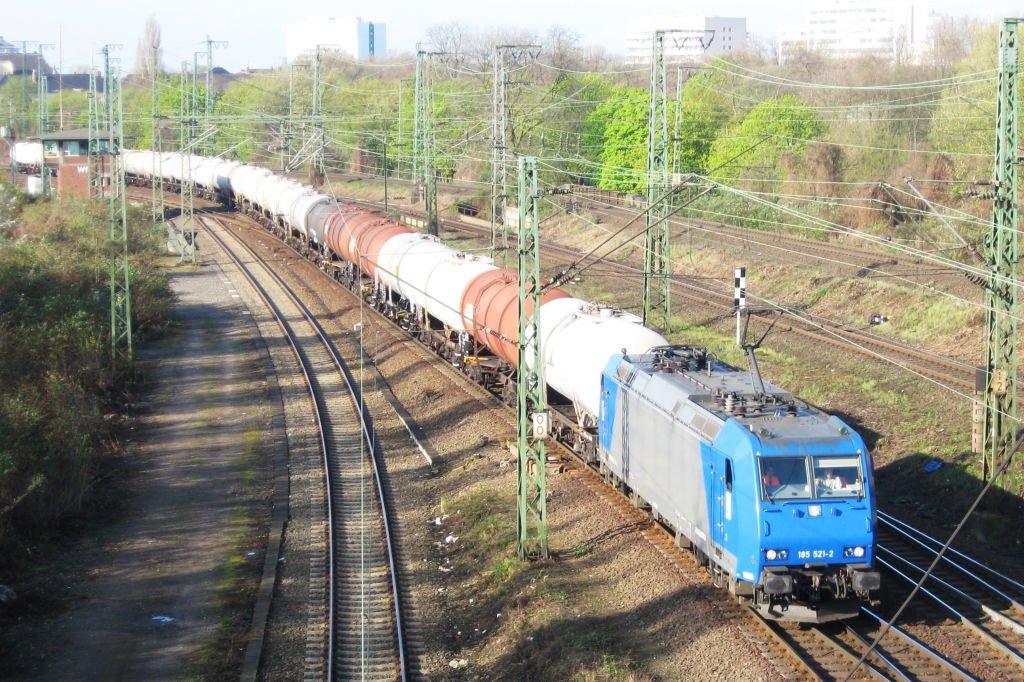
853, 552
779, 554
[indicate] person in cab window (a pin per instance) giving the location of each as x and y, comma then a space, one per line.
769, 478
830, 482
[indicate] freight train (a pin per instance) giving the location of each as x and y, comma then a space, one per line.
774, 497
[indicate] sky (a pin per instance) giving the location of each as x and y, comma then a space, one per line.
255, 30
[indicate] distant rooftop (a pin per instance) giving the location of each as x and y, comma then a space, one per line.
76, 134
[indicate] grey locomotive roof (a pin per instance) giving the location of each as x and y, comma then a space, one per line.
704, 393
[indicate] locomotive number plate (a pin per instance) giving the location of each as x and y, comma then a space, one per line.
815, 554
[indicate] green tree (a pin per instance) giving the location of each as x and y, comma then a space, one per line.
963, 122
623, 122
703, 112
752, 148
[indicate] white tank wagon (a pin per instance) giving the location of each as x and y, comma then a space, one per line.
27, 156
447, 284
577, 338
283, 204
412, 265
309, 214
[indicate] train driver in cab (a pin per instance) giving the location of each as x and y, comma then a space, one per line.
830, 481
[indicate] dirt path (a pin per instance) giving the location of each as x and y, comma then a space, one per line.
153, 593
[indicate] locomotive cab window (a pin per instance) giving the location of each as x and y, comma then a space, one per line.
785, 478
838, 476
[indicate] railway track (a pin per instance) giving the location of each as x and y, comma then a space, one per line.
976, 603
362, 603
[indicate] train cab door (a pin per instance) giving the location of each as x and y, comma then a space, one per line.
722, 512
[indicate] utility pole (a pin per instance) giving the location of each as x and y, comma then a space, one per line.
656, 249
504, 55
208, 97
120, 284
158, 180
534, 419
423, 152
1001, 251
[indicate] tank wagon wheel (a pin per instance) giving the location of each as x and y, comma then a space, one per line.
510, 393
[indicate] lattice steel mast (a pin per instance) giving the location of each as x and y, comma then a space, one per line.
533, 417
318, 168
504, 56
120, 271
208, 96
656, 249
94, 177
44, 177
158, 180
424, 169
187, 216
1001, 251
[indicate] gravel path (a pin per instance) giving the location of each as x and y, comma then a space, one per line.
145, 595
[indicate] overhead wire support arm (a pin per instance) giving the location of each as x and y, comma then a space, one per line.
978, 257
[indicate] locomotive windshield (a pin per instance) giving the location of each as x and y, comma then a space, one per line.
785, 478
789, 478
838, 476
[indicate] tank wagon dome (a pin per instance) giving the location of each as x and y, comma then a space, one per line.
269, 191
346, 227
578, 339
222, 174
490, 308
249, 178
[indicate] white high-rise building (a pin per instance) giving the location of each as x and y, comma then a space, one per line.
699, 37
351, 35
893, 29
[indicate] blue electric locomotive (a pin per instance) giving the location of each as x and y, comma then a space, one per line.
772, 495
